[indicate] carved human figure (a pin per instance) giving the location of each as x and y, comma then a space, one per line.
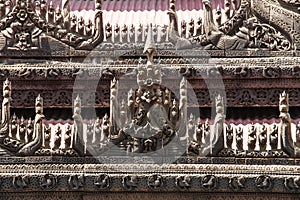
229, 136
97, 136
183, 29
131, 103
117, 34
262, 135
239, 138
58, 18
191, 28
57, 137
51, 12
218, 134
273, 137
123, 113
174, 113
105, 126
139, 33
218, 15
4, 128
14, 127
29, 131
198, 27
199, 132
88, 28
77, 130
73, 22
80, 25
124, 34
22, 129
131, 33
285, 125
89, 132
68, 135
251, 137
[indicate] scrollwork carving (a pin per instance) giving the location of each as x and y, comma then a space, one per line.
20, 181
130, 182
48, 181
209, 182
292, 183
155, 181
102, 181
237, 183
264, 182
183, 182
76, 181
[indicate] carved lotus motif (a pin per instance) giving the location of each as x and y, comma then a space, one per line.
237, 183
20, 182
22, 15
48, 181
76, 181
130, 182
292, 183
209, 182
102, 181
183, 182
264, 182
155, 181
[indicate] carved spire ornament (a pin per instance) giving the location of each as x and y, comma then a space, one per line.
149, 48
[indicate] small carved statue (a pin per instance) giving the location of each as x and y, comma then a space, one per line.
14, 127
22, 129
124, 34
80, 25
251, 137
262, 135
88, 28
68, 136
273, 136
239, 138
29, 131
285, 133
57, 137
229, 136
73, 22
218, 15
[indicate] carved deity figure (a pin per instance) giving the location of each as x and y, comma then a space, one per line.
262, 136
251, 137
218, 134
239, 138
229, 136
285, 125
77, 130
